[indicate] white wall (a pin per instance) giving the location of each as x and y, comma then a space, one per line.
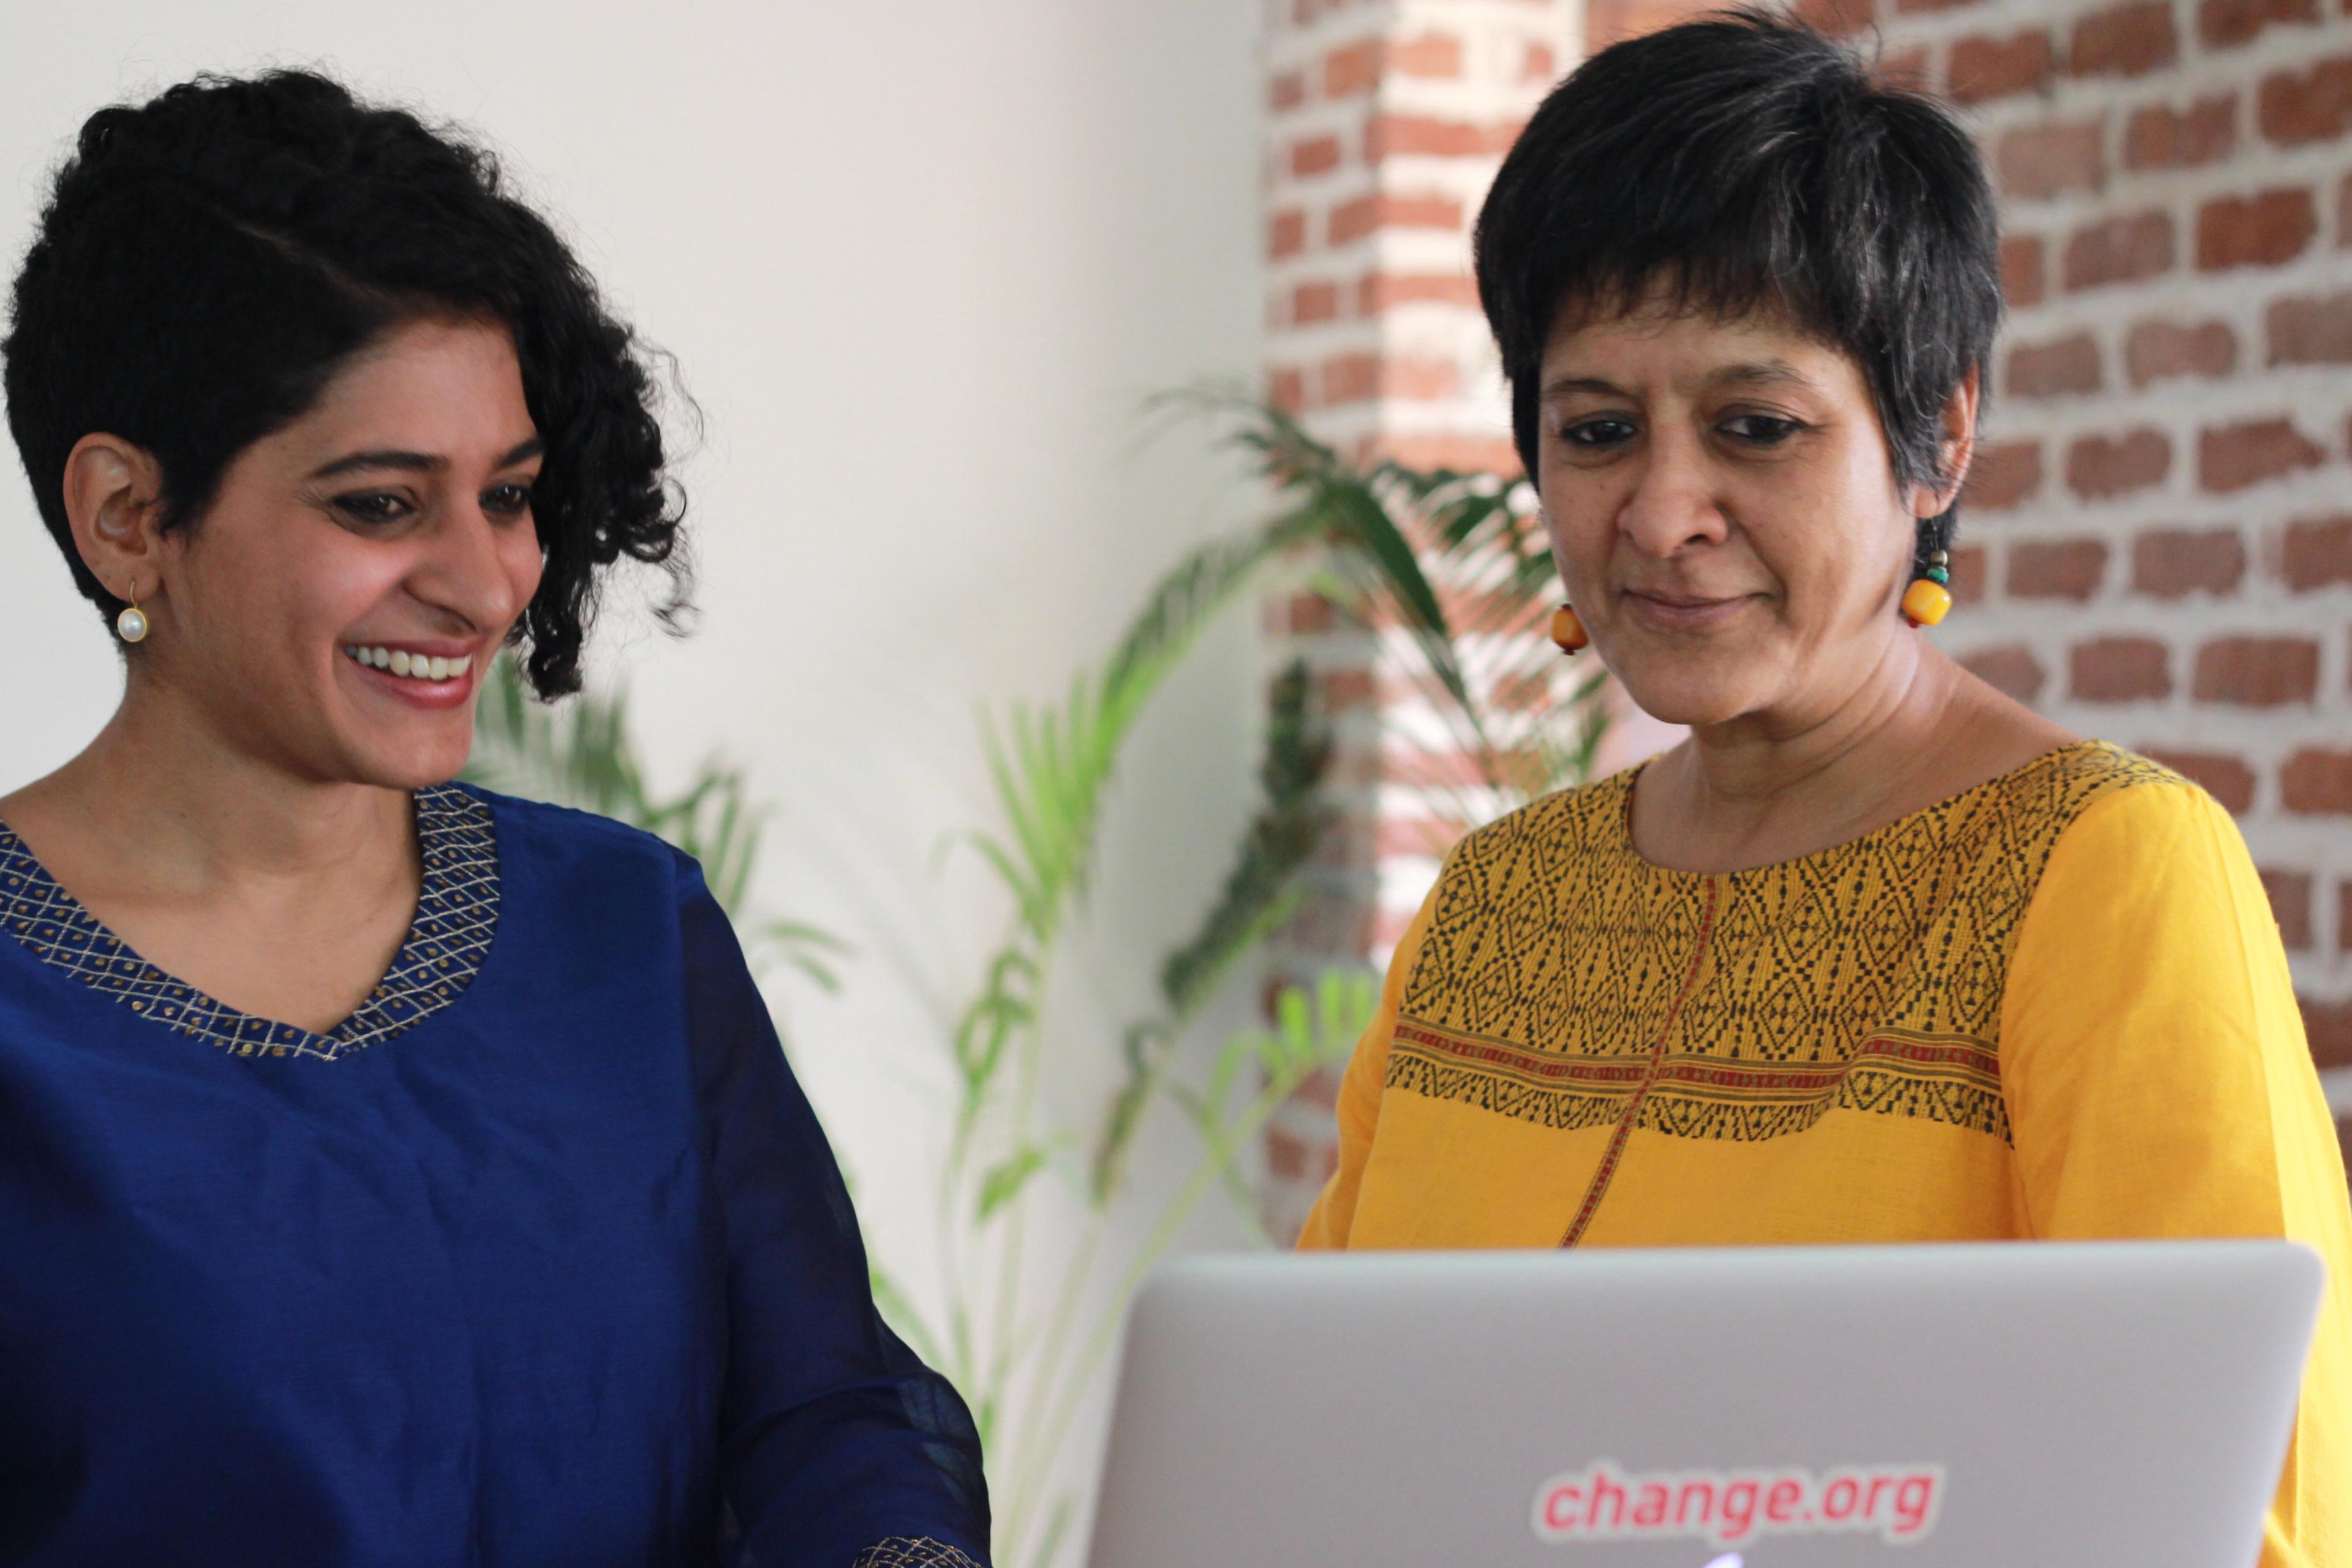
919, 261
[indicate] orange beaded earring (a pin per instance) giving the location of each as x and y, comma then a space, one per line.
1569, 632
1929, 598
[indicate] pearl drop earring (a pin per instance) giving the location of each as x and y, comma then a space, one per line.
130, 625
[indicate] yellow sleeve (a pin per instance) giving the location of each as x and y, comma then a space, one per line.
2160, 1084
1334, 1213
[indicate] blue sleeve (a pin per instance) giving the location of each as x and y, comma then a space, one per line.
837, 1443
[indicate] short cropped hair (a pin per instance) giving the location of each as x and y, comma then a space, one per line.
1741, 162
209, 259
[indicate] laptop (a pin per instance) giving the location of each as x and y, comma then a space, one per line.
1981, 1405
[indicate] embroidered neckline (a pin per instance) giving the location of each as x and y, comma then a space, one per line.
457, 916
2055, 758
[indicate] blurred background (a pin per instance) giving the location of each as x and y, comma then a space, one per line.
1075, 752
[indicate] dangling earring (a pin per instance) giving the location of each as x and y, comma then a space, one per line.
130, 625
1928, 599
1569, 632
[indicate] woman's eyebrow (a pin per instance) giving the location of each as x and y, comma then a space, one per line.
1764, 372
1585, 383
420, 462
409, 462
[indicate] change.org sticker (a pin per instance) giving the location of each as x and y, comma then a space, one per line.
1726, 1507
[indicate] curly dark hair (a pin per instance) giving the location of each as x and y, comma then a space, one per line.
210, 259
1746, 159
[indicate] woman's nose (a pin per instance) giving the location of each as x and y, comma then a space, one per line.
464, 572
1672, 503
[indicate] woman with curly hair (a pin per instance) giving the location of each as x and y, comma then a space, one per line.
392, 1173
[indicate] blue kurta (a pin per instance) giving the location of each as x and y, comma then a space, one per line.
538, 1258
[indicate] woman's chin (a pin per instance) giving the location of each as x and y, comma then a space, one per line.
1697, 697
408, 761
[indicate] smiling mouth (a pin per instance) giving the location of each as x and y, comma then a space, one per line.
1682, 609
420, 667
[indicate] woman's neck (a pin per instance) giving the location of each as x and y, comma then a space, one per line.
163, 808
1774, 787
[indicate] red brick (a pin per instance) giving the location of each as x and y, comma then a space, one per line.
1425, 136
2313, 782
1313, 302
1286, 233
1983, 67
2227, 779
2313, 105
2232, 456
2004, 476
1608, 22
1313, 156
1286, 92
2290, 896
2317, 554
1461, 453
2022, 269
2221, 23
1346, 689
1286, 389
2127, 40
2013, 671
2305, 331
1914, 7
2056, 568
2160, 137
2256, 672
2119, 670
1539, 64
2173, 562
2057, 369
1367, 215
1905, 68
1351, 69
2059, 155
2099, 466
1432, 56
1380, 291
1301, 615
1838, 18
2327, 1026
1362, 377
2261, 230
1969, 571
2120, 250
2158, 350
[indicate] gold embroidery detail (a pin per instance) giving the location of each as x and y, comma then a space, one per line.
457, 916
916, 1552
1869, 977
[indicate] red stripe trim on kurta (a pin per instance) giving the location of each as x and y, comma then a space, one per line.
1962, 1059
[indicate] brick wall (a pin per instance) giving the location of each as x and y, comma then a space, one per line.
2157, 547
2158, 544
1387, 120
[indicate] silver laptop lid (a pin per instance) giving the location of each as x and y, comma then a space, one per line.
1960, 1406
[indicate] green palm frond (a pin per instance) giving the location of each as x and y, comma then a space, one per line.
584, 755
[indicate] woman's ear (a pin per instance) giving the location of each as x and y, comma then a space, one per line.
114, 502
1956, 448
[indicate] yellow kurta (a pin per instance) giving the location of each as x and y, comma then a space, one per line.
2053, 1007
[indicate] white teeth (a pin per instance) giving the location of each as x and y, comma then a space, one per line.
414, 667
